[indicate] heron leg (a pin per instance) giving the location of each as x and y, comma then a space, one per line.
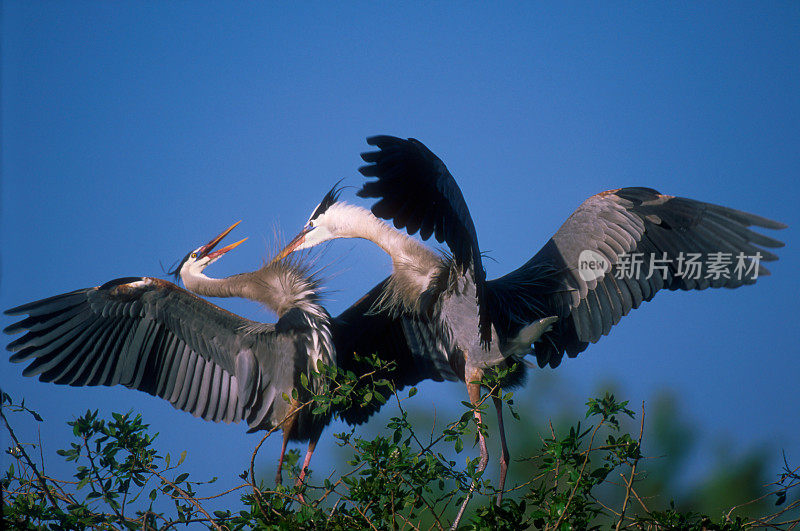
288, 425
498, 404
312, 444
279, 474
474, 392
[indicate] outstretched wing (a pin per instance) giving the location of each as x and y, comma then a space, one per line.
417, 192
623, 228
148, 334
408, 344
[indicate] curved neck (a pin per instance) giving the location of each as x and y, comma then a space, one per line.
361, 223
414, 266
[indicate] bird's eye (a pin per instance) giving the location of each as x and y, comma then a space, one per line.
310, 224
194, 255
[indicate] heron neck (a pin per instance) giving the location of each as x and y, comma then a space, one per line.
414, 266
279, 287
397, 244
211, 287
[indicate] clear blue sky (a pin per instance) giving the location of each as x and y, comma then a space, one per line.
133, 132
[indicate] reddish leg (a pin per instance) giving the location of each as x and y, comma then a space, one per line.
287, 429
474, 392
278, 474
312, 444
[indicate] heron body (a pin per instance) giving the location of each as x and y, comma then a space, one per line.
289, 290
427, 285
148, 334
546, 307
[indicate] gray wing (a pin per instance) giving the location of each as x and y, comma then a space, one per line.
148, 334
619, 226
415, 189
408, 343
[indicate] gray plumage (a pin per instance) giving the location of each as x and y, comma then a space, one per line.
416, 191
150, 335
625, 221
288, 289
546, 306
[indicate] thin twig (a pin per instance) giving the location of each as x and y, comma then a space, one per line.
558, 461
640, 500
223, 493
185, 496
578, 480
790, 473
633, 473
99, 480
42, 482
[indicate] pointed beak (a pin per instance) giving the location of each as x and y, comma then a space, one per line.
219, 252
294, 244
209, 247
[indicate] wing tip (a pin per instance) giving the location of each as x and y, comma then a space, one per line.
377, 140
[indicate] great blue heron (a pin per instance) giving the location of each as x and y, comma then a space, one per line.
148, 334
566, 296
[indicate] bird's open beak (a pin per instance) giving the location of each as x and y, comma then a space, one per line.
294, 244
209, 247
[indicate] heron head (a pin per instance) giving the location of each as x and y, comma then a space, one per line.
323, 225
198, 259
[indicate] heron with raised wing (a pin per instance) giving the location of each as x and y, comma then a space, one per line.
148, 334
549, 306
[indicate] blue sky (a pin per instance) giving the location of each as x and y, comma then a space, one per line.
134, 132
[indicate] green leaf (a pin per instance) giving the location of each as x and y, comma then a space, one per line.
781, 497
412, 392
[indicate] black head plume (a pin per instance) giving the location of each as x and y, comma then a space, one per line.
175, 273
330, 198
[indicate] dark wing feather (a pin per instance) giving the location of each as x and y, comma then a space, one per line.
407, 344
416, 191
632, 221
148, 334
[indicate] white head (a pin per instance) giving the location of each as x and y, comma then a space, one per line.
197, 260
327, 221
